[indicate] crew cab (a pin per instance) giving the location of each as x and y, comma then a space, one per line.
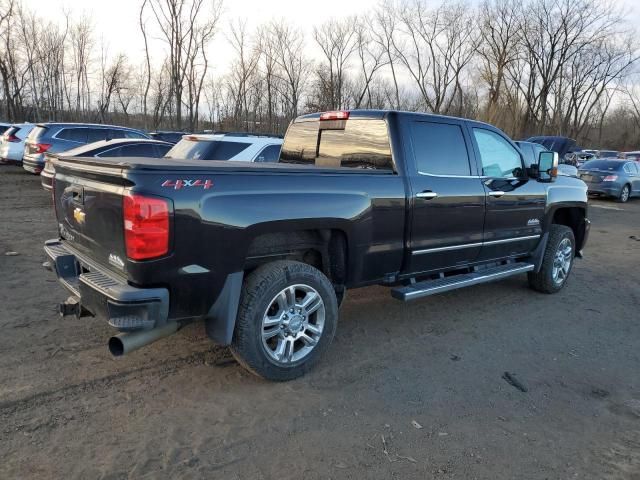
264, 253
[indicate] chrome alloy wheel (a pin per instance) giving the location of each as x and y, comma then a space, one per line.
562, 261
292, 324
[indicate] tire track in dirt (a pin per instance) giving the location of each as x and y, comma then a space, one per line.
167, 367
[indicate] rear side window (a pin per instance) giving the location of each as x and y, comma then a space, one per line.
352, 143
36, 133
115, 133
206, 149
132, 134
439, 149
139, 150
269, 154
11, 131
499, 157
73, 134
97, 134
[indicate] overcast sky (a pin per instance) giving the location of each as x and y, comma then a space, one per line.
116, 21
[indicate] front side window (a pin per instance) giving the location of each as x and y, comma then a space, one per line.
439, 149
499, 158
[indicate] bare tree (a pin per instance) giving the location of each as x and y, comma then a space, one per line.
499, 24
337, 40
438, 45
186, 27
293, 67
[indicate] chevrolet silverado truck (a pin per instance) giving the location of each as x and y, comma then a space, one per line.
264, 253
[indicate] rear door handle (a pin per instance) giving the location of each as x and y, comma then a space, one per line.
496, 193
427, 195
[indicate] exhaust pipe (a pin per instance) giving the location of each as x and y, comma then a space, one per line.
124, 343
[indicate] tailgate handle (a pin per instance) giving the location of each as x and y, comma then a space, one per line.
76, 193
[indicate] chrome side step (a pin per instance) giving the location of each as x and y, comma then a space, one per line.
439, 285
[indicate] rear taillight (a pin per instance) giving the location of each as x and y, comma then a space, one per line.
610, 178
41, 147
12, 138
146, 226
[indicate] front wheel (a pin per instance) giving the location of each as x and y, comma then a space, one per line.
557, 261
286, 320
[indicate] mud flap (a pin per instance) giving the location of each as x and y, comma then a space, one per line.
221, 319
538, 254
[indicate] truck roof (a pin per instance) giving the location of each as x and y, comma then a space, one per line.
365, 114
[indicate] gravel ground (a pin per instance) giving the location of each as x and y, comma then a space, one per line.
406, 390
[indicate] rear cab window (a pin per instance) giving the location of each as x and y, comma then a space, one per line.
352, 143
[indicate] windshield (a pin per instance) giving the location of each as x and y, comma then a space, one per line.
206, 149
609, 165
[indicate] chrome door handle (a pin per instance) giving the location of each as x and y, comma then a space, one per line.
427, 195
496, 193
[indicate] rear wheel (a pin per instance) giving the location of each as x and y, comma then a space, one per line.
557, 261
625, 193
286, 320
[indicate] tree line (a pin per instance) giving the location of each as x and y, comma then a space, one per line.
563, 67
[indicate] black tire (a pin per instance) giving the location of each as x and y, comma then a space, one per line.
259, 290
625, 194
543, 281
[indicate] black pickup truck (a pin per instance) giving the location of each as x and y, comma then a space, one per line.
264, 253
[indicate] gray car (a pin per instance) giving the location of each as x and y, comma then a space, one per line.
612, 177
58, 137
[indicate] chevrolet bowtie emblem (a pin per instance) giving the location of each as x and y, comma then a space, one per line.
79, 215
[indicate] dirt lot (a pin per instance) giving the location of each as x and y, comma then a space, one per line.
406, 391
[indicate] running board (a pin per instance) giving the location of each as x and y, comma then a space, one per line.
439, 285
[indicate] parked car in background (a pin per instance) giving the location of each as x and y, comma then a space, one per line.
561, 145
606, 153
612, 177
630, 155
583, 156
122, 147
4, 127
171, 137
531, 151
227, 146
59, 137
12, 142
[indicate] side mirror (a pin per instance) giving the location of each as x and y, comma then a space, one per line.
547, 166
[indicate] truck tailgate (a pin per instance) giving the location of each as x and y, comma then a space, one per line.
89, 211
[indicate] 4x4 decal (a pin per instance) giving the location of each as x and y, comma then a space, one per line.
178, 184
